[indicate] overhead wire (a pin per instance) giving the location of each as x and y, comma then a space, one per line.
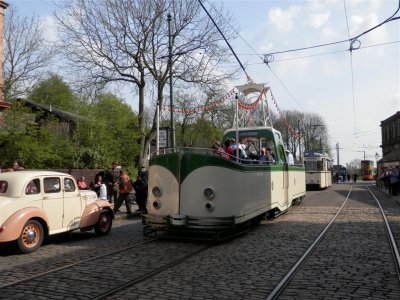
261, 57
353, 40
354, 45
351, 68
223, 36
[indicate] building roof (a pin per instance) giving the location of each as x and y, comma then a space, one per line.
393, 156
48, 109
391, 118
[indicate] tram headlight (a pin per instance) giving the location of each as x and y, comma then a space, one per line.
209, 193
156, 204
156, 191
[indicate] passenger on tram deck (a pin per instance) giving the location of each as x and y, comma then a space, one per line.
271, 157
242, 154
263, 156
229, 148
219, 150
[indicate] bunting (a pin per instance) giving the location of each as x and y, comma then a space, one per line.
295, 133
200, 108
253, 105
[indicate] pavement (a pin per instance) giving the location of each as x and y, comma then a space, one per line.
386, 191
122, 215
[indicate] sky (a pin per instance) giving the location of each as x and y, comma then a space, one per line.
353, 91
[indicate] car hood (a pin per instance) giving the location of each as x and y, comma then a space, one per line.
88, 196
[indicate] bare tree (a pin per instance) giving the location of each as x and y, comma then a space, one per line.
26, 53
313, 131
127, 41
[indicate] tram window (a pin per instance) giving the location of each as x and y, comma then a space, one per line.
319, 166
311, 165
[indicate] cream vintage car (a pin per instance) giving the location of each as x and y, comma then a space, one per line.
36, 204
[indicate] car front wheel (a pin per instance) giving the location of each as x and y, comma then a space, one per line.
103, 226
31, 237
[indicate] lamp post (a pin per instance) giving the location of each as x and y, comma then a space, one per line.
3, 105
171, 98
377, 171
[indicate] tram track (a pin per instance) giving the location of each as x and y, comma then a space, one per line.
281, 288
130, 283
133, 264
74, 264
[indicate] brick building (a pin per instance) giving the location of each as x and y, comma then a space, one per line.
390, 129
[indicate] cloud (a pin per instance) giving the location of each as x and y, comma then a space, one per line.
318, 20
48, 25
283, 20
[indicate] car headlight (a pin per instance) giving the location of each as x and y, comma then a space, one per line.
209, 193
156, 191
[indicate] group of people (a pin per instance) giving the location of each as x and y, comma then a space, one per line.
117, 185
18, 165
391, 179
229, 149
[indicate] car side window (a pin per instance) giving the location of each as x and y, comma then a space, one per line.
3, 186
33, 187
69, 185
52, 185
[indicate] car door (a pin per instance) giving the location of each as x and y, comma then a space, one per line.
53, 204
32, 194
72, 204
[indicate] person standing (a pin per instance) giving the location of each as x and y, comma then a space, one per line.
354, 177
140, 187
125, 187
101, 187
111, 181
393, 181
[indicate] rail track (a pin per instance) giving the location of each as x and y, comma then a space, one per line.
61, 281
282, 289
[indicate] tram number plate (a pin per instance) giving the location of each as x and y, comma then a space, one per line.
178, 220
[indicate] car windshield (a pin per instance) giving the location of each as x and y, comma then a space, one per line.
3, 187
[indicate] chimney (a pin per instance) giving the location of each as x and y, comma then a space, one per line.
3, 105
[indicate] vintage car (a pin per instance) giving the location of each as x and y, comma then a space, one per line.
36, 204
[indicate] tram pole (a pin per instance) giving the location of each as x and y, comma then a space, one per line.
158, 129
338, 165
298, 125
237, 126
171, 101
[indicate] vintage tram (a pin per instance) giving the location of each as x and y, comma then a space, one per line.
196, 192
367, 169
318, 170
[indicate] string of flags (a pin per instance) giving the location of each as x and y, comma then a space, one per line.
241, 104
200, 108
283, 117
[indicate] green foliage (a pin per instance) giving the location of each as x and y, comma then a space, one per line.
36, 147
55, 92
202, 133
107, 132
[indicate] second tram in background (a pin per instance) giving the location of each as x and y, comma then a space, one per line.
367, 169
318, 170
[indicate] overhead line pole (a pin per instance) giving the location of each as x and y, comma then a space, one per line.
171, 95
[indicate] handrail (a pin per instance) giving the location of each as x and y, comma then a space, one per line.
219, 154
